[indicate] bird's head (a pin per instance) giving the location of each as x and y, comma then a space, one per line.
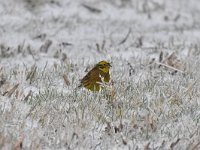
104, 66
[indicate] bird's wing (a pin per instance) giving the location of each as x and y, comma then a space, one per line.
91, 76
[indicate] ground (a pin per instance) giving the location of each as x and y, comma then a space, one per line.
152, 101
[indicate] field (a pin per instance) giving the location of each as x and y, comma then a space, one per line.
152, 102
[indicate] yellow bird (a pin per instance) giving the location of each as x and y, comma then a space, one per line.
94, 77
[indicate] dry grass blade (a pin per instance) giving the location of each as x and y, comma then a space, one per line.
11, 91
91, 9
126, 37
177, 18
170, 67
190, 87
28, 95
124, 141
174, 143
31, 74
161, 56
103, 44
66, 44
98, 47
66, 79
30, 111
45, 47
20, 47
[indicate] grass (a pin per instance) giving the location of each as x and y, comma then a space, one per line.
152, 101
148, 108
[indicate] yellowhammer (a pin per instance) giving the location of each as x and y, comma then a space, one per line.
94, 77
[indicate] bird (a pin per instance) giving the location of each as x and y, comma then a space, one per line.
96, 76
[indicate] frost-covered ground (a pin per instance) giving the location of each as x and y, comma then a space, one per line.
152, 102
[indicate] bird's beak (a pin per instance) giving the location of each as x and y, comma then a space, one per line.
109, 65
